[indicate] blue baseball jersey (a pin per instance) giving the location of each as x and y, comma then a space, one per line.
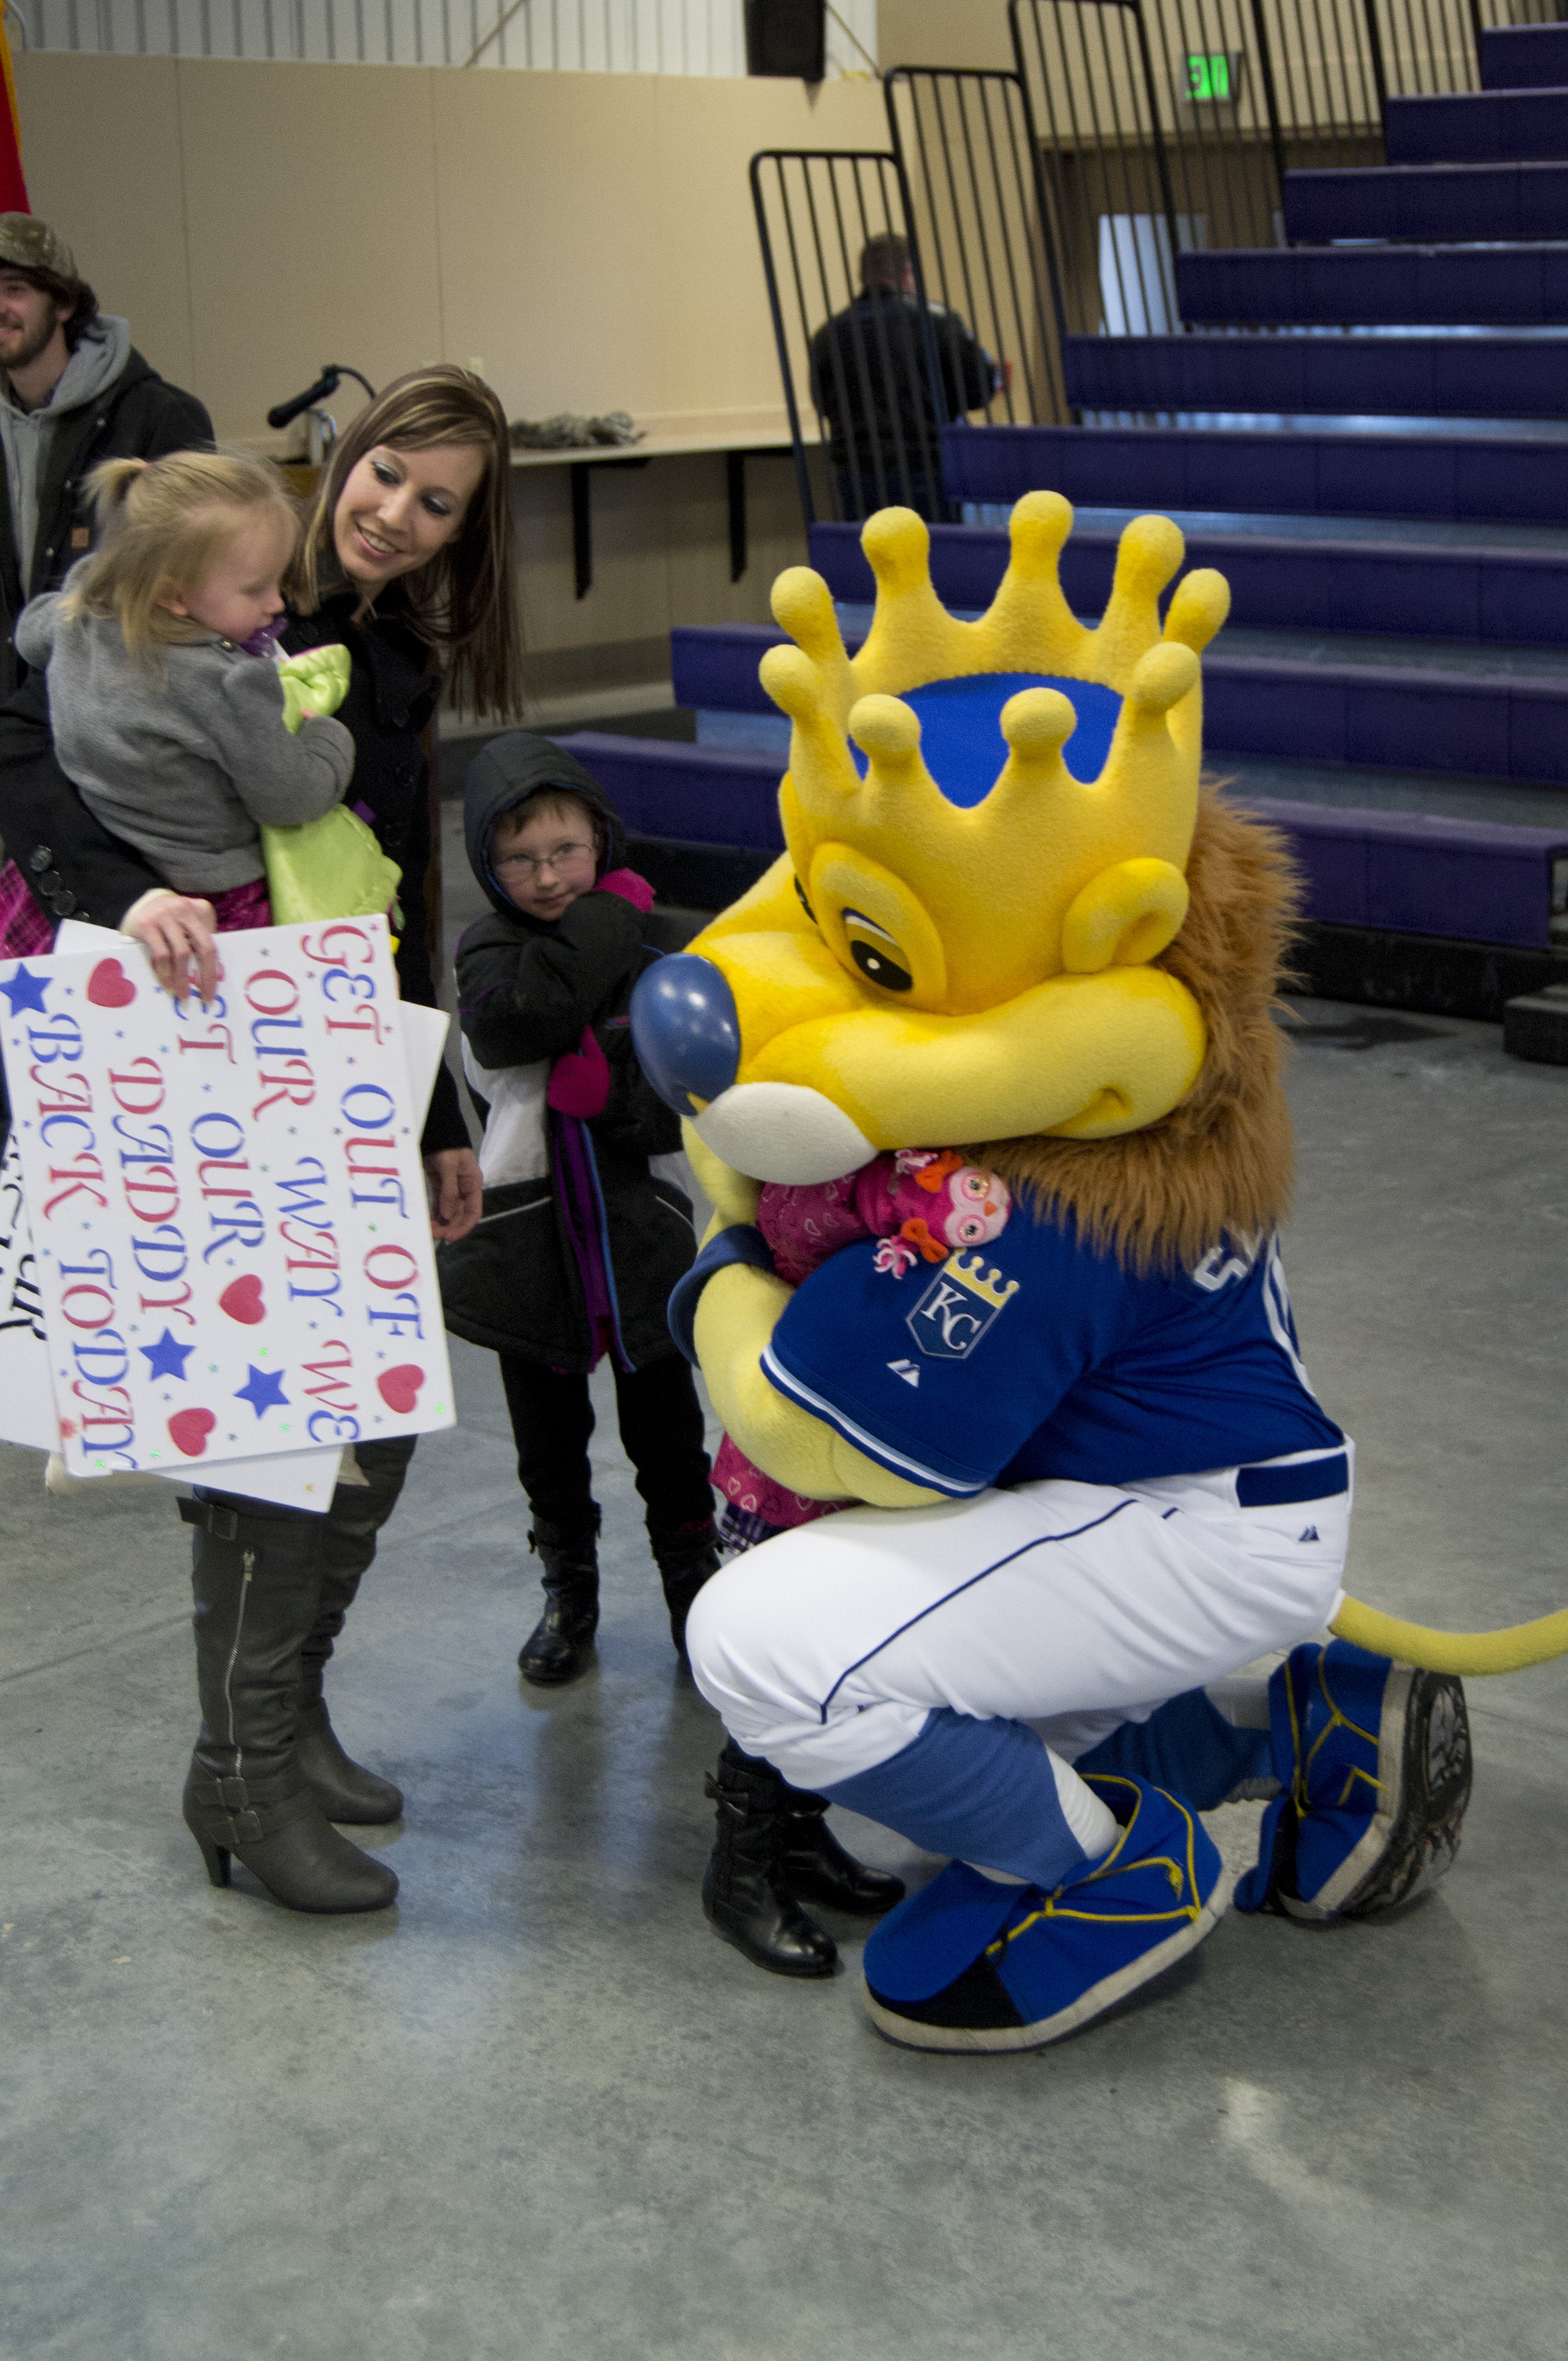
1037, 1356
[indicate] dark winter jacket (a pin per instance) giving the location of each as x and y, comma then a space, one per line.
526, 993
136, 416
886, 393
75, 868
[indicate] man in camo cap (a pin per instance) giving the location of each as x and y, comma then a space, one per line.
73, 391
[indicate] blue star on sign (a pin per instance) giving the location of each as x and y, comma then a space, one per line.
265, 1390
166, 1358
25, 990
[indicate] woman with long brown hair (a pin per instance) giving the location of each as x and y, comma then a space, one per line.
407, 560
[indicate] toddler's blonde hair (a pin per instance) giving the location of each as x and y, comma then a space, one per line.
164, 522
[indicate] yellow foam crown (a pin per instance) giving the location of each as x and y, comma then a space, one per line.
1048, 872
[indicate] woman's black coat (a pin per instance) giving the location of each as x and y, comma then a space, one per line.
75, 868
526, 993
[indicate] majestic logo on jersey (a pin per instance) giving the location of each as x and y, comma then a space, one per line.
960, 1305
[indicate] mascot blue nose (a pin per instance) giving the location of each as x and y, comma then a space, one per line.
686, 1031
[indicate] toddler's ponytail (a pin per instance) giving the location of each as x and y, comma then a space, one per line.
109, 488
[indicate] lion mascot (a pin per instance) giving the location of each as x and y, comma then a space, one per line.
1082, 1478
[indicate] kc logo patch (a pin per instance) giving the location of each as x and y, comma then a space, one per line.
959, 1306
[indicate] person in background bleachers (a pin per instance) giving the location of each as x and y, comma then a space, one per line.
73, 391
872, 380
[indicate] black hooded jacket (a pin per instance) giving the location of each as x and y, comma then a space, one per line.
526, 993
138, 416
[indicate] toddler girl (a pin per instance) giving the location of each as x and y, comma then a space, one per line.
923, 1206
170, 712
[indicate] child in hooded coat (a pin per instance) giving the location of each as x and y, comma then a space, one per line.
583, 1234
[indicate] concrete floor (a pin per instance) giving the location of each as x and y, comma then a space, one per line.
539, 2110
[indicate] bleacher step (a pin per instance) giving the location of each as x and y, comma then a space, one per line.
1470, 879
1435, 202
1524, 57
1452, 478
1498, 126
1382, 716
1522, 286
1501, 597
1341, 376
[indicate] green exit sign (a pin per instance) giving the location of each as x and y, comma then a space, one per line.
1213, 77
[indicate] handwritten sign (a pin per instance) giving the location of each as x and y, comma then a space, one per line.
230, 1242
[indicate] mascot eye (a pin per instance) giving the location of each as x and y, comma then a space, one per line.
968, 1230
971, 1185
804, 903
876, 965
874, 951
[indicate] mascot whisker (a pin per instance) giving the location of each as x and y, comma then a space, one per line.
1038, 1460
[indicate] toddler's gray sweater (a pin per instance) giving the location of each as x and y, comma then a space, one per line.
183, 757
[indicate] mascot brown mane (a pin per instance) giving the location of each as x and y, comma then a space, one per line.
1224, 1157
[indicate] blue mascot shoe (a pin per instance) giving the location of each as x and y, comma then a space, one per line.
968, 1964
1374, 1760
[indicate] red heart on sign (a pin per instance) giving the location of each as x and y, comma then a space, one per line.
398, 1388
109, 987
188, 1430
241, 1298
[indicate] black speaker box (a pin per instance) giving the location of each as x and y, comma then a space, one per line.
788, 38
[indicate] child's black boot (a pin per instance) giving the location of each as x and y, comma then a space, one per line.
559, 1644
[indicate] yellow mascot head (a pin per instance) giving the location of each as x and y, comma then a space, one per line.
989, 826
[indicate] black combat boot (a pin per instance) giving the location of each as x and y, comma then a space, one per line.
685, 1557
558, 1646
257, 1581
345, 1789
743, 1893
816, 1868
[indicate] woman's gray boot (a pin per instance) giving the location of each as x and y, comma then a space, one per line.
345, 1789
256, 1577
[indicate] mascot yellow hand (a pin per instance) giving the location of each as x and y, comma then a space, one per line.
734, 1322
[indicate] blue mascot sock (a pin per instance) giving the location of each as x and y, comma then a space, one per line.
1186, 1746
980, 1791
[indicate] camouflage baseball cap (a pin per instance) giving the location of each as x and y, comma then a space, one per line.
28, 244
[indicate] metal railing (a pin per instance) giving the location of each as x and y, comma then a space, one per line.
976, 173
872, 363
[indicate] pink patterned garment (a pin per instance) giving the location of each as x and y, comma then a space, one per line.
26, 933
923, 1205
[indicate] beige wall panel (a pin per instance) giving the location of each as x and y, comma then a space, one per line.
943, 33
310, 200
548, 271
718, 363
598, 250
630, 599
696, 528
100, 148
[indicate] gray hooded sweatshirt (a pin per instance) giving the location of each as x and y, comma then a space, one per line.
97, 361
184, 756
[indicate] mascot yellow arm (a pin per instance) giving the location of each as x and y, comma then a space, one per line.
1509, 1649
732, 1195
737, 1315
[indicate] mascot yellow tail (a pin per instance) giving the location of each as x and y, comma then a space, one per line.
1466, 1652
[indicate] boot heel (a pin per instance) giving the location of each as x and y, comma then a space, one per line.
216, 1857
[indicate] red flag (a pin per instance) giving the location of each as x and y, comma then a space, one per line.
13, 186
